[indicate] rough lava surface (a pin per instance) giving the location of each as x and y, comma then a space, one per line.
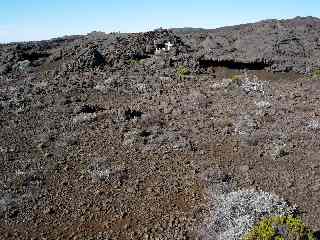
102, 138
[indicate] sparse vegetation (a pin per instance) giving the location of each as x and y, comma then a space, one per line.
135, 62
182, 71
280, 228
316, 74
236, 78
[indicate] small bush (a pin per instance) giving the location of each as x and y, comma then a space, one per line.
236, 78
234, 82
280, 228
135, 62
183, 71
316, 74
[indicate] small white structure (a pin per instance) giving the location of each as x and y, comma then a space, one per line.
169, 45
160, 49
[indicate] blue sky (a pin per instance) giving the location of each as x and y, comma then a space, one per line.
22, 20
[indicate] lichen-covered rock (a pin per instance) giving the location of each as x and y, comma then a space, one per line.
22, 65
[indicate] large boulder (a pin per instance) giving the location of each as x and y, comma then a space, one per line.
88, 58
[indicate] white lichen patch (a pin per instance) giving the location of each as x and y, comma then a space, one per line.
234, 214
313, 124
263, 104
252, 86
245, 125
84, 117
99, 170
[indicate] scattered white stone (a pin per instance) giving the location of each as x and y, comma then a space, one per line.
224, 83
6, 203
250, 86
263, 104
216, 86
101, 87
22, 65
100, 174
20, 173
100, 170
279, 150
3, 149
158, 51
165, 79
85, 117
141, 87
42, 84
245, 125
105, 86
314, 125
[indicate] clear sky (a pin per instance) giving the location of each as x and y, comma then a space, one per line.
22, 20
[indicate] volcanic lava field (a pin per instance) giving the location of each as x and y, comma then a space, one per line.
168, 134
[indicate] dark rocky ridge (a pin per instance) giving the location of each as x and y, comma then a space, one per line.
280, 45
276, 45
288, 45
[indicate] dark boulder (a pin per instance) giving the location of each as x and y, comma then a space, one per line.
88, 58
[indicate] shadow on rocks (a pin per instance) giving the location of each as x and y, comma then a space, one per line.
317, 235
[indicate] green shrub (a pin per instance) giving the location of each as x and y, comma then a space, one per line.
236, 80
183, 71
316, 74
134, 62
280, 228
236, 77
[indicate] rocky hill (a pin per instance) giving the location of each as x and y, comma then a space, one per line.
279, 46
169, 134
